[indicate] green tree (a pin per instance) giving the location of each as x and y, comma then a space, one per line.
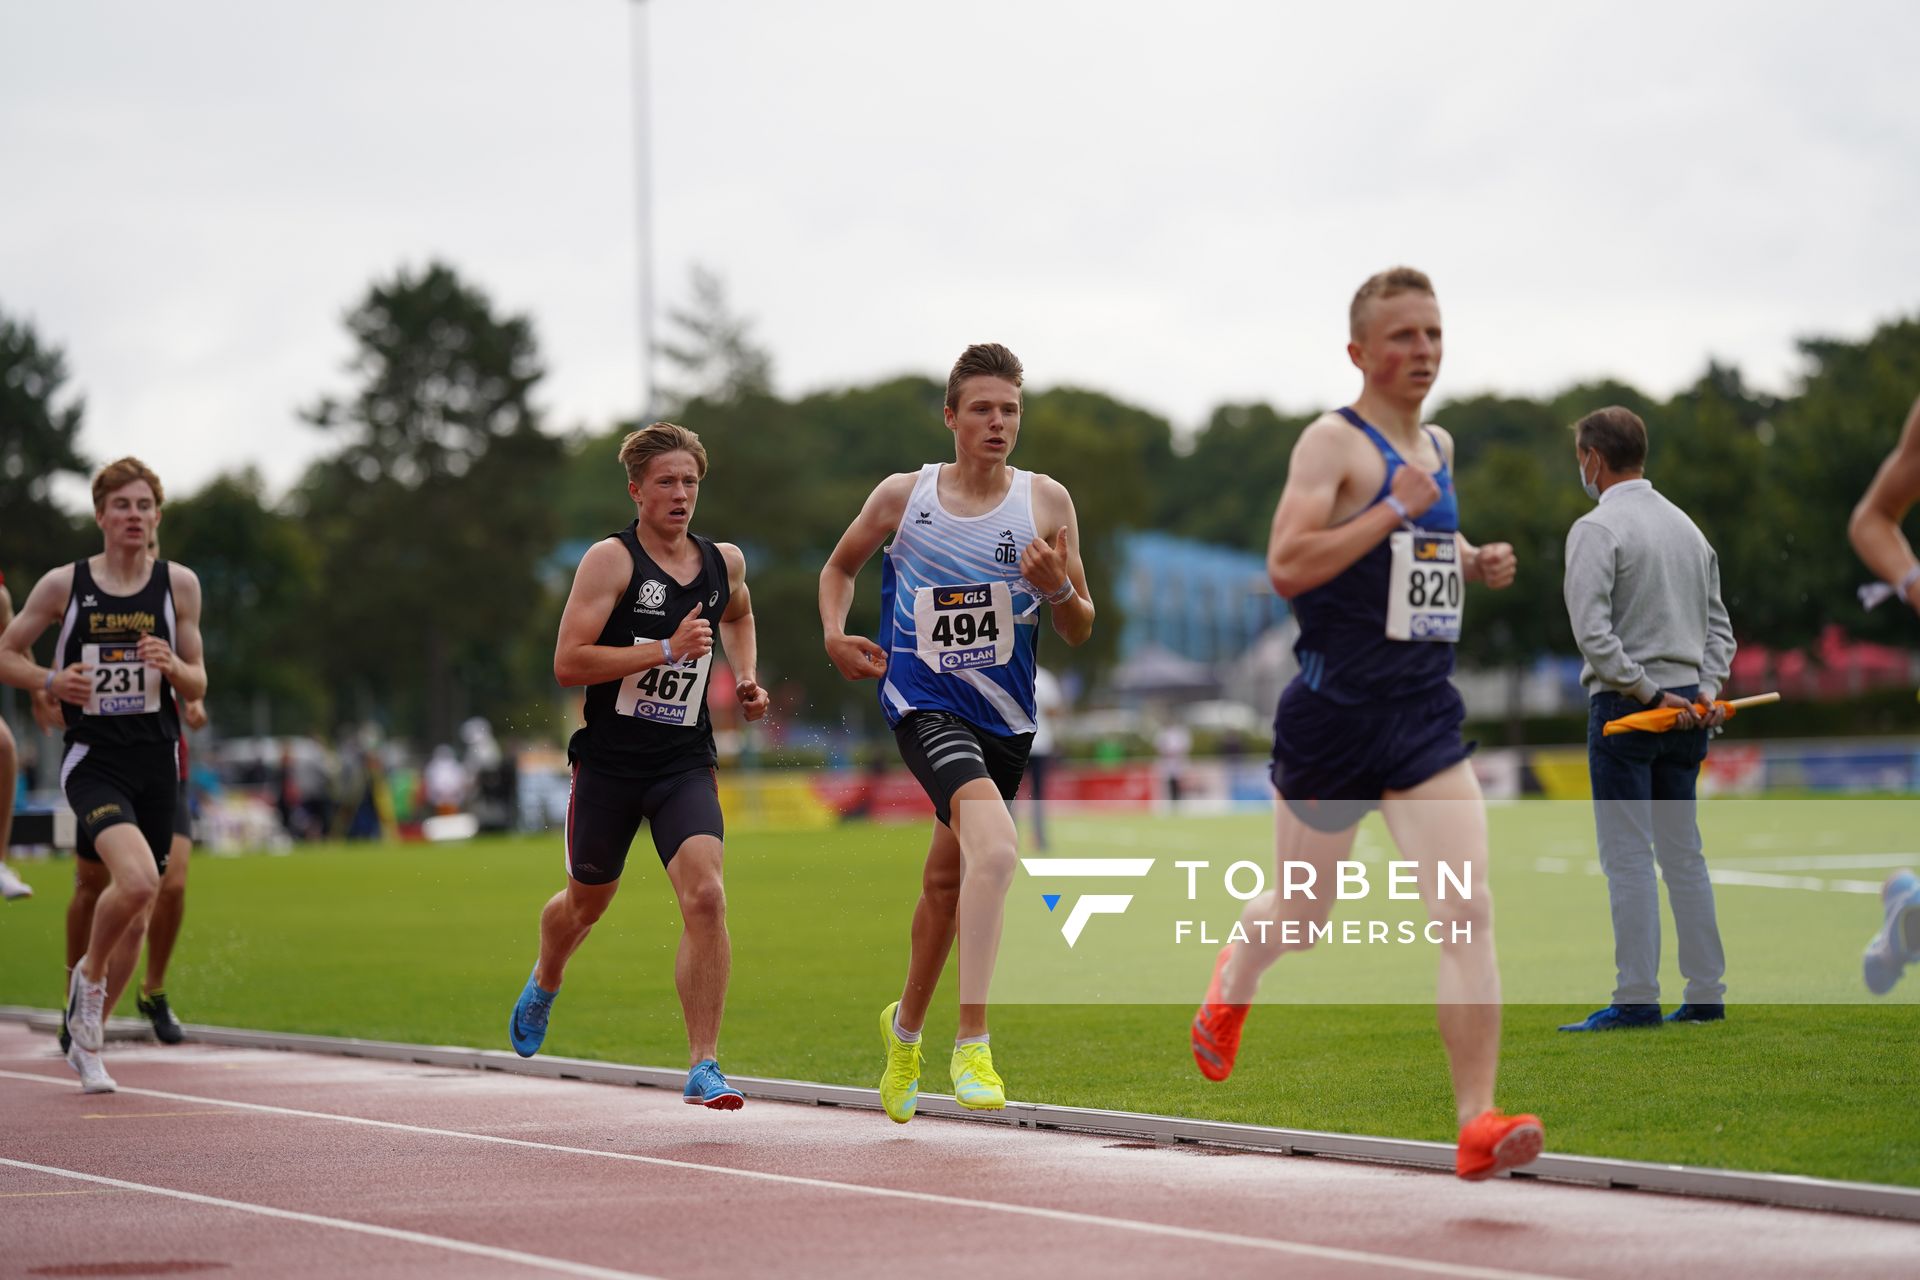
39, 441
259, 604
713, 354
432, 520
1828, 442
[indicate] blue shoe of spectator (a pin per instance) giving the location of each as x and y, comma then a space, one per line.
1699, 1013
528, 1026
706, 1087
1897, 945
1616, 1017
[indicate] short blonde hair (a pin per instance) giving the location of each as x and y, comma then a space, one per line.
641, 447
121, 473
1382, 285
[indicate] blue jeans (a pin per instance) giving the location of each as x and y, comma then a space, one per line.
1644, 810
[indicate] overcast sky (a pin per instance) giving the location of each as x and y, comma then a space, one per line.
1172, 203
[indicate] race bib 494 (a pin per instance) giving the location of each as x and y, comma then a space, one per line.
961, 627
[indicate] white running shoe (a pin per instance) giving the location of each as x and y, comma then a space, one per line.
86, 1004
11, 885
92, 1071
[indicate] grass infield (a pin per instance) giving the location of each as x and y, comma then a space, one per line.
431, 945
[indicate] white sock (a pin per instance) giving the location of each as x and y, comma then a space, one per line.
963, 1041
903, 1035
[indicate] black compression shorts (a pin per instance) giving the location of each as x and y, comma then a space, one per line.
604, 813
945, 752
108, 786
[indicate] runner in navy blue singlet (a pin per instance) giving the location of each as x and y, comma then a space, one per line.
1366, 544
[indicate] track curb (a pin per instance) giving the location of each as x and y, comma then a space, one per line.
1778, 1190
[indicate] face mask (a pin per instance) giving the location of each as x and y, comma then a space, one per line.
1591, 486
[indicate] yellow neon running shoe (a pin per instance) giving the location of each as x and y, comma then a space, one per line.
976, 1086
900, 1082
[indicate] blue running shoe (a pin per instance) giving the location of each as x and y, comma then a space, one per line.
1616, 1017
706, 1087
1897, 945
528, 1026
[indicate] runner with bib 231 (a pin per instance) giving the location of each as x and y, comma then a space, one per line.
978, 547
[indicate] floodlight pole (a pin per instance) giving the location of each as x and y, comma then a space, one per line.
643, 167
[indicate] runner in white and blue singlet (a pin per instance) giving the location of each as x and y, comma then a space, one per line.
977, 546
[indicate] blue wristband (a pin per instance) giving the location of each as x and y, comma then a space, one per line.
1398, 507
666, 653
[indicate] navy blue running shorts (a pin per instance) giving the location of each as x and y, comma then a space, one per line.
1331, 762
604, 813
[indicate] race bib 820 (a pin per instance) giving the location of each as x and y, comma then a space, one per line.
1424, 587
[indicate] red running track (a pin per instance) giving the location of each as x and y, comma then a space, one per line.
213, 1161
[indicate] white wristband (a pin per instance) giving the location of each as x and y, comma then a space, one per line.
666, 653
1398, 507
1062, 593
48, 686
1906, 583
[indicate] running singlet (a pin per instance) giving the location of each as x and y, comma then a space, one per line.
1345, 653
654, 722
957, 621
130, 703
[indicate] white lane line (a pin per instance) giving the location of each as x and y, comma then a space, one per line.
1728, 876
1327, 1253
534, 1260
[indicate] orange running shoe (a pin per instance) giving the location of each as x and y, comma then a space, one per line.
1492, 1143
1216, 1028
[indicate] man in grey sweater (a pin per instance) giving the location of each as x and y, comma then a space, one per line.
1643, 594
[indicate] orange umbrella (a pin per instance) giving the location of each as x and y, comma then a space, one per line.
1661, 719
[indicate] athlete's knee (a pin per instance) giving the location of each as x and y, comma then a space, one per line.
993, 862
703, 902
139, 889
586, 903
1462, 922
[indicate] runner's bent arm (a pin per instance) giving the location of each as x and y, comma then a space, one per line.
43, 608
1053, 510
578, 656
182, 662
1303, 552
738, 637
856, 657
1875, 526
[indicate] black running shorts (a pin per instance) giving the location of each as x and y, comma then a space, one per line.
945, 752
604, 813
108, 786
